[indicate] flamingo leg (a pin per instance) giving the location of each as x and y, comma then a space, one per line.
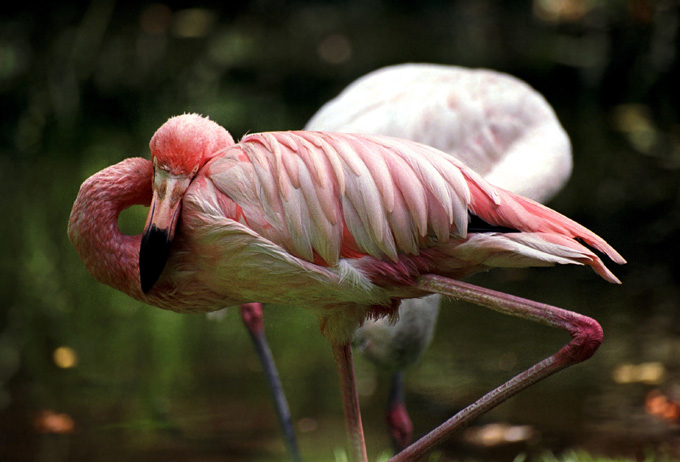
398, 421
253, 319
586, 338
350, 401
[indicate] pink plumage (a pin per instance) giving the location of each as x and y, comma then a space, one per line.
336, 223
343, 225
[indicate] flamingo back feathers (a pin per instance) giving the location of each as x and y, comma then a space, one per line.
326, 196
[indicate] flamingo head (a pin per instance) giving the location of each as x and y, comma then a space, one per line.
179, 148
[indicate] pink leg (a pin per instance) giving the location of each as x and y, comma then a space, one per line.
586, 338
350, 400
253, 319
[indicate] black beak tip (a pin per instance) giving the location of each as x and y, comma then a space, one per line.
153, 255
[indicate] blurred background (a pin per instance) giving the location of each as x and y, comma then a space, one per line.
88, 374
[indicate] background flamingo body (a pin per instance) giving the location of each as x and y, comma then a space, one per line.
495, 123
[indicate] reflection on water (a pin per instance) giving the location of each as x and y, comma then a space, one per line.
87, 374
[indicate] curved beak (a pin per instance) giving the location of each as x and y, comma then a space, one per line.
160, 226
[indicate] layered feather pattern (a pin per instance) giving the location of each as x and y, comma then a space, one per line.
327, 196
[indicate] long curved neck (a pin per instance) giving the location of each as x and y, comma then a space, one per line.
109, 255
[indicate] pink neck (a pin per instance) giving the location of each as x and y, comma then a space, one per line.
109, 255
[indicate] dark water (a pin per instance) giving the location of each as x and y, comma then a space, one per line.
88, 374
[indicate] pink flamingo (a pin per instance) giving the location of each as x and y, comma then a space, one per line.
342, 225
495, 123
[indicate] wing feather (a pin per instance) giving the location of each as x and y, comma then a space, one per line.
324, 180
403, 227
315, 164
326, 237
356, 227
525, 215
412, 191
391, 197
295, 211
362, 193
333, 159
269, 194
270, 144
328, 194
377, 167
